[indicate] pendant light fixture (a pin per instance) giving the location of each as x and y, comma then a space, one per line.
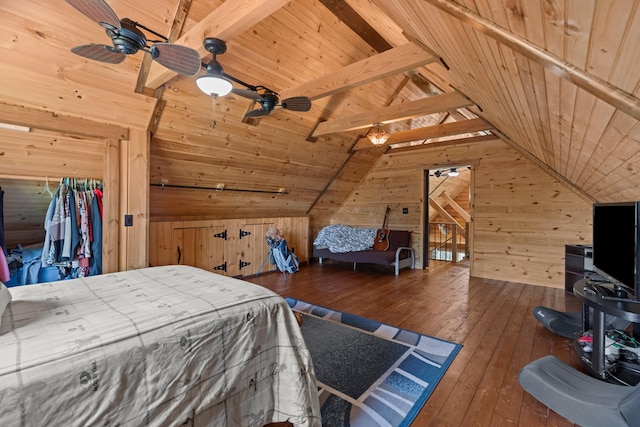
378, 136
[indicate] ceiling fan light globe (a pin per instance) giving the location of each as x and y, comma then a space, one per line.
214, 85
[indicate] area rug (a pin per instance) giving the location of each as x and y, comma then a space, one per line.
369, 373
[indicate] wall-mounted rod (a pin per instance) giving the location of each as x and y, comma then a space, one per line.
38, 178
195, 187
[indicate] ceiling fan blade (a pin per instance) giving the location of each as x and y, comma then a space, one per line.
178, 58
246, 93
96, 10
296, 103
260, 112
99, 52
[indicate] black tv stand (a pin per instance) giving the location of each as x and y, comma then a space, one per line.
608, 291
625, 308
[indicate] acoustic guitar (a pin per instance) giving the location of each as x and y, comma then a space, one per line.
382, 236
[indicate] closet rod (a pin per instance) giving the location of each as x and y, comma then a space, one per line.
29, 178
195, 187
41, 178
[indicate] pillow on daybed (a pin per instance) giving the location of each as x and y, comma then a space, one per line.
5, 299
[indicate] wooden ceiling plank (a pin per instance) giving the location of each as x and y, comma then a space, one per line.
596, 86
47, 120
225, 22
395, 113
561, 178
438, 131
392, 61
423, 83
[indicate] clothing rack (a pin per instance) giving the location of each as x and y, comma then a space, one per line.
38, 178
80, 183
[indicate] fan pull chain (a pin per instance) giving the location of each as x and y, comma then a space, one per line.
214, 96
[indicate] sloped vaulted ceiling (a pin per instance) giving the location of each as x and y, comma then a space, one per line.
557, 79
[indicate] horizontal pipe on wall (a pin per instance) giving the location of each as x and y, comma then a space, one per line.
195, 187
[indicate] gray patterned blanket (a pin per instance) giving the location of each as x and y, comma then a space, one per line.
340, 238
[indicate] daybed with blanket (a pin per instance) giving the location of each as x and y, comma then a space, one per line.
160, 346
355, 244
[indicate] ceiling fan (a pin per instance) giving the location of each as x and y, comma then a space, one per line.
216, 82
128, 39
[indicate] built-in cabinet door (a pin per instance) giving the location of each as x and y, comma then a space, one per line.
202, 247
247, 248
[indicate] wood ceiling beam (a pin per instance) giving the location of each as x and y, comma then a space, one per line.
437, 131
387, 63
447, 143
350, 17
225, 22
179, 19
446, 215
451, 202
48, 120
596, 86
395, 113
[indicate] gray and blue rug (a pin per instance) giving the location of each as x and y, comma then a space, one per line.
369, 373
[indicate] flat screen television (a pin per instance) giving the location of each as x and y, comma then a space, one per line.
616, 245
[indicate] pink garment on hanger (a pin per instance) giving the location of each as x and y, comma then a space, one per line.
4, 268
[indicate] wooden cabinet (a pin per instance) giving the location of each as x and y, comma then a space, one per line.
234, 247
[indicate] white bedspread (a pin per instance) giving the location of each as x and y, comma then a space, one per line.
160, 346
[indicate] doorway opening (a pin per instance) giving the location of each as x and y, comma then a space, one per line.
447, 214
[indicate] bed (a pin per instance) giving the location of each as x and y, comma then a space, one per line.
161, 346
355, 244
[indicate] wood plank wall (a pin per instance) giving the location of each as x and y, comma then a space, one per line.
27, 160
26, 226
521, 216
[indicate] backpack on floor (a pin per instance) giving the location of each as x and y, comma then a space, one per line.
283, 258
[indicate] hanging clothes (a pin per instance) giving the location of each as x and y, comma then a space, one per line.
96, 235
73, 228
3, 245
47, 229
5, 276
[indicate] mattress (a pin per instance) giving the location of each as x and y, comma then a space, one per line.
160, 346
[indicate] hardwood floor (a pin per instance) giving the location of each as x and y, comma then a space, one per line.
492, 319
